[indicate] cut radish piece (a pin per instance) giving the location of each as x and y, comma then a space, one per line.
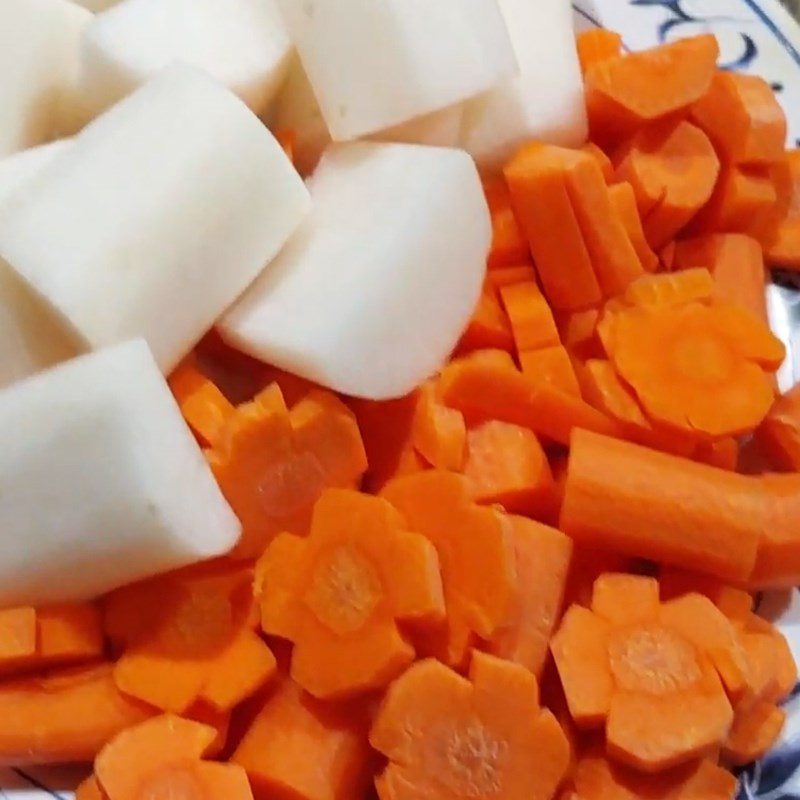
371, 294
19, 168
545, 101
242, 43
157, 217
377, 64
38, 62
103, 483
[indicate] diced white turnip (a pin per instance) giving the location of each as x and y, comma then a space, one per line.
38, 63
19, 168
160, 213
103, 483
242, 43
377, 64
545, 101
373, 291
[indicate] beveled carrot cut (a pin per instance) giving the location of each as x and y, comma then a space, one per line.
742, 116
509, 246
476, 557
439, 434
532, 322
489, 327
625, 92
638, 669
340, 593
754, 731
507, 466
447, 736
652, 505
623, 199
778, 437
272, 465
603, 388
596, 45
551, 365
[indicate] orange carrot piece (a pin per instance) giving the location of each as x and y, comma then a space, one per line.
64, 717
532, 322
509, 246
578, 331
69, 633
489, 327
476, 558
652, 505
666, 256
272, 466
196, 780
287, 139
781, 239
90, 790
17, 637
623, 199
603, 161
753, 733
588, 564
507, 466
723, 454
742, 116
736, 604
439, 433
622, 599
447, 736
626, 92
604, 389
204, 407
358, 572
542, 203
778, 562
543, 557
300, 748
490, 390
550, 365
596, 45
671, 288
778, 436
507, 276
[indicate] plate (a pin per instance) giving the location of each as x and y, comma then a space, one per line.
757, 36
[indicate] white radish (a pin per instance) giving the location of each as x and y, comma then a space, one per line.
545, 101
372, 293
242, 43
157, 217
377, 64
38, 63
103, 483
17, 169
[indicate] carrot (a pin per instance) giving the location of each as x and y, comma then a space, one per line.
543, 557
603, 388
778, 436
489, 326
736, 604
491, 390
782, 237
596, 45
508, 247
507, 466
339, 594
697, 369
287, 139
778, 562
578, 331
69, 634
447, 736
197, 780
623, 199
204, 407
476, 556
588, 564
300, 748
17, 637
736, 263
272, 465
542, 203
671, 289
439, 433
742, 116
603, 161
635, 667
673, 170
64, 717
666, 256
507, 276
532, 322
753, 733
90, 789
550, 365
624, 93
723, 454
653, 505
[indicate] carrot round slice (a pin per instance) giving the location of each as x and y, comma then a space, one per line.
625, 599
439, 434
204, 407
596, 45
755, 730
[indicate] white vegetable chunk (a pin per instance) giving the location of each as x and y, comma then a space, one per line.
242, 43
373, 291
545, 101
38, 62
103, 483
17, 169
380, 63
157, 217
438, 129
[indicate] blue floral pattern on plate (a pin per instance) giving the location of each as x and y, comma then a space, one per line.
757, 36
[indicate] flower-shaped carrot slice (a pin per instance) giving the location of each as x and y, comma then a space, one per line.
272, 465
476, 554
447, 737
649, 672
339, 594
204, 407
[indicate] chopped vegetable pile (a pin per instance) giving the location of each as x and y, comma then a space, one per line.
473, 491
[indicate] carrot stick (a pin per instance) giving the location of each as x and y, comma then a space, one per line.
90, 790
652, 505
507, 276
781, 238
476, 557
753, 733
300, 748
532, 322
543, 558
603, 161
64, 717
578, 331
742, 116
623, 199
448, 736
626, 92
17, 637
489, 327
723, 454
551, 365
489, 390
778, 436
597, 45
439, 433
340, 593
540, 198
778, 562
509, 246
507, 466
